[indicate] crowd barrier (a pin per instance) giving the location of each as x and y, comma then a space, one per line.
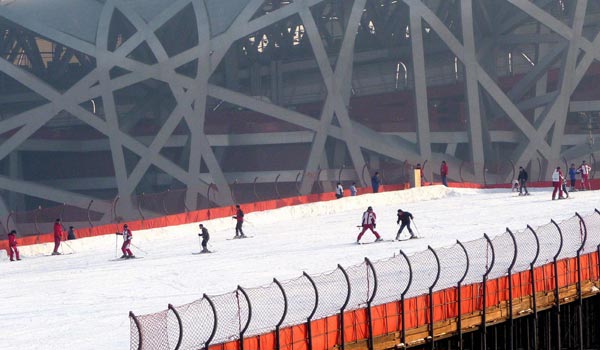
375, 298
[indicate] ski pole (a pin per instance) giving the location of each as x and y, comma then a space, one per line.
68, 245
138, 248
416, 228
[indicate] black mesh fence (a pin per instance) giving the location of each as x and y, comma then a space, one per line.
251, 312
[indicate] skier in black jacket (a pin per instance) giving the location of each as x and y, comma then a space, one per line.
523, 181
405, 217
205, 237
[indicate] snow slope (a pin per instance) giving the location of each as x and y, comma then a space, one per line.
82, 300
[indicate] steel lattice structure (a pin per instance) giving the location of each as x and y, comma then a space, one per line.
143, 95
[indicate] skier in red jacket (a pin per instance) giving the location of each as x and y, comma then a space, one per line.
444, 173
368, 223
127, 236
58, 236
239, 216
12, 245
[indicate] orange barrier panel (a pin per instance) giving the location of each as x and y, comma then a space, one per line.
386, 317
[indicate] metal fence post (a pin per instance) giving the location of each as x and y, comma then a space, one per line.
164, 202
114, 209
511, 323
583, 232
309, 319
348, 289
254, 188
285, 309
369, 301
459, 287
35, 219
277, 187
243, 330
215, 320
533, 288
88, 213
296, 184
402, 299
556, 289
137, 324
484, 306
597, 249
431, 306
179, 324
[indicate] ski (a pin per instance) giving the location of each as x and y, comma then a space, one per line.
58, 254
406, 239
382, 241
200, 253
123, 259
235, 238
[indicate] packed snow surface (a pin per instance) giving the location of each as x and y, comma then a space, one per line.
82, 300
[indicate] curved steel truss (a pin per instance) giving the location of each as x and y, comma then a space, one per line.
112, 69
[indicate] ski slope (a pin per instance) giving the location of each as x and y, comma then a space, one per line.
81, 301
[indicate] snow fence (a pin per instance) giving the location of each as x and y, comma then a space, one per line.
376, 298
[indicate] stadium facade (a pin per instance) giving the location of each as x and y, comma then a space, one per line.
259, 99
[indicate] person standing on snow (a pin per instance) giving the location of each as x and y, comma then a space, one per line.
404, 217
71, 233
12, 246
339, 191
205, 237
239, 216
444, 173
353, 190
584, 170
368, 223
557, 178
573, 176
127, 236
58, 236
523, 177
375, 181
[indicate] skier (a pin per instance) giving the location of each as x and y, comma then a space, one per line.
127, 236
368, 223
71, 233
339, 191
58, 235
353, 190
584, 170
405, 217
12, 245
239, 216
573, 176
557, 177
515, 187
444, 173
564, 186
205, 237
375, 181
523, 177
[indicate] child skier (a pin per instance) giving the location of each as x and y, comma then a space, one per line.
127, 236
368, 223
12, 245
205, 237
405, 217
